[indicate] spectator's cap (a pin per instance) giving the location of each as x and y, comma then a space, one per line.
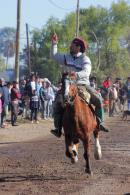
47, 80
108, 78
80, 42
2, 79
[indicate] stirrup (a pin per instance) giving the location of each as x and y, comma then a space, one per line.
56, 132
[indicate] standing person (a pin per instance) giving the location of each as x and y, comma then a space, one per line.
32, 82
28, 94
5, 99
51, 97
113, 95
38, 86
45, 97
34, 104
107, 83
9, 86
127, 89
0, 108
93, 82
15, 96
22, 87
105, 88
80, 64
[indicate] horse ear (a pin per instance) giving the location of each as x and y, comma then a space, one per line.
64, 75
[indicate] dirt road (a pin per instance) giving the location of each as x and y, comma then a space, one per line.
32, 162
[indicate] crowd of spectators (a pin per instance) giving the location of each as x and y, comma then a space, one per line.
115, 94
34, 98
31, 98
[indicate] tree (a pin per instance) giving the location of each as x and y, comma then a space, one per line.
106, 32
2, 65
7, 41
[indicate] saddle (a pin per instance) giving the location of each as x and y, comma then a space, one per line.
84, 94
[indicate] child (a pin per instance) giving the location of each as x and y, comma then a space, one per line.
34, 104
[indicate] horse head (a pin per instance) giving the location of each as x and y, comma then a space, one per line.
69, 87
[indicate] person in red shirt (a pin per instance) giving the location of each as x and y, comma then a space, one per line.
107, 83
15, 96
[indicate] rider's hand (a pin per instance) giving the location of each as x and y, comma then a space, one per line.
73, 75
54, 38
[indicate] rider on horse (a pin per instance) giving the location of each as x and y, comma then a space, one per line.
77, 62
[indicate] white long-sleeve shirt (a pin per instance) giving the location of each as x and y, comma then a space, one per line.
80, 63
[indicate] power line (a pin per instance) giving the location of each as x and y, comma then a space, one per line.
59, 7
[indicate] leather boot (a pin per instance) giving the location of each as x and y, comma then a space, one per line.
56, 132
101, 126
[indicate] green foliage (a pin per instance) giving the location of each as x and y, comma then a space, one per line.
106, 31
2, 65
7, 41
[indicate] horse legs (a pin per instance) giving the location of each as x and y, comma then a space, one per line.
97, 149
71, 149
86, 144
68, 145
75, 151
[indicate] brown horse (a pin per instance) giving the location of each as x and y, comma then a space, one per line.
79, 122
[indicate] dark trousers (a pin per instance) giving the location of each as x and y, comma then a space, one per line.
0, 121
2, 116
34, 112
95, 100
14, 112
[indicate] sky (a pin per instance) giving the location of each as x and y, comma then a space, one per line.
37, 12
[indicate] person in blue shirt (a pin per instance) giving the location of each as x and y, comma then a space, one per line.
127, 88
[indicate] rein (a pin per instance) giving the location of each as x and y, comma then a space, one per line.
71, 99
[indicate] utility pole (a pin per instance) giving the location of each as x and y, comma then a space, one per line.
17, 40
28, 50
77, 19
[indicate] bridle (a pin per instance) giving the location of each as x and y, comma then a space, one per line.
67, 83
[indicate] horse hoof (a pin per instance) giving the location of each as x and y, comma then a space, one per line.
97, 156
68, 154
74, 160
89, 172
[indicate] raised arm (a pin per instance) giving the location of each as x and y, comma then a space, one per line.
57, 57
